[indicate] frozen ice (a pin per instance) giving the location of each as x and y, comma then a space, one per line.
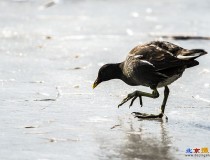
49, 59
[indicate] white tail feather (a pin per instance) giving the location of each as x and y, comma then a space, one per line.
189, 57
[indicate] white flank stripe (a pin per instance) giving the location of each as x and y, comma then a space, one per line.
147, 62
138, 56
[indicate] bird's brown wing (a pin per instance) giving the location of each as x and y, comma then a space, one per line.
160, 58
170, 47
143, 72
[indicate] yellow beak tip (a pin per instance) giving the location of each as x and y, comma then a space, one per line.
94, 85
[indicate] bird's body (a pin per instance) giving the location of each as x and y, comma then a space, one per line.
155, 64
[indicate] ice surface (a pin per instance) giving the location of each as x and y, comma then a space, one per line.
50, 57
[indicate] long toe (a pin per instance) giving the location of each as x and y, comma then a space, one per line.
133, 101
145, 115
123, 101
141, 102
138, 114
130, 96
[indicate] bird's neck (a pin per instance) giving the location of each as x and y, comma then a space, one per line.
124, 77
118, 74
117, 71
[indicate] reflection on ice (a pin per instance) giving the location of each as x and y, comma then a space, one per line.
138, 143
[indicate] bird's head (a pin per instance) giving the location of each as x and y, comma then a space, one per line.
107, 72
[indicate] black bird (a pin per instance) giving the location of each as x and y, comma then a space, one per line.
155, 64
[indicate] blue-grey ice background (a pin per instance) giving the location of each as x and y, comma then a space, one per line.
50, 53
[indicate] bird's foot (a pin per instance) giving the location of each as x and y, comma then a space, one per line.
132, 96
145, 115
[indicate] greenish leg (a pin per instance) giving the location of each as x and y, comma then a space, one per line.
139, 94
144, 115
166, 93
154, 94
140, 99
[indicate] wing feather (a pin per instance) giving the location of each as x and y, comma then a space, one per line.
157, 56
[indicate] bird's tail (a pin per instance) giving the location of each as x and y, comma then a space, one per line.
191, 54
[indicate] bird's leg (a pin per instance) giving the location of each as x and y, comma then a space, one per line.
144, 115
166, 93
140, 99
139, 94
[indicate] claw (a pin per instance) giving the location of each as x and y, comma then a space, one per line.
141, 103
126, 99
140, 99
144, 115
132, 101
130, 96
